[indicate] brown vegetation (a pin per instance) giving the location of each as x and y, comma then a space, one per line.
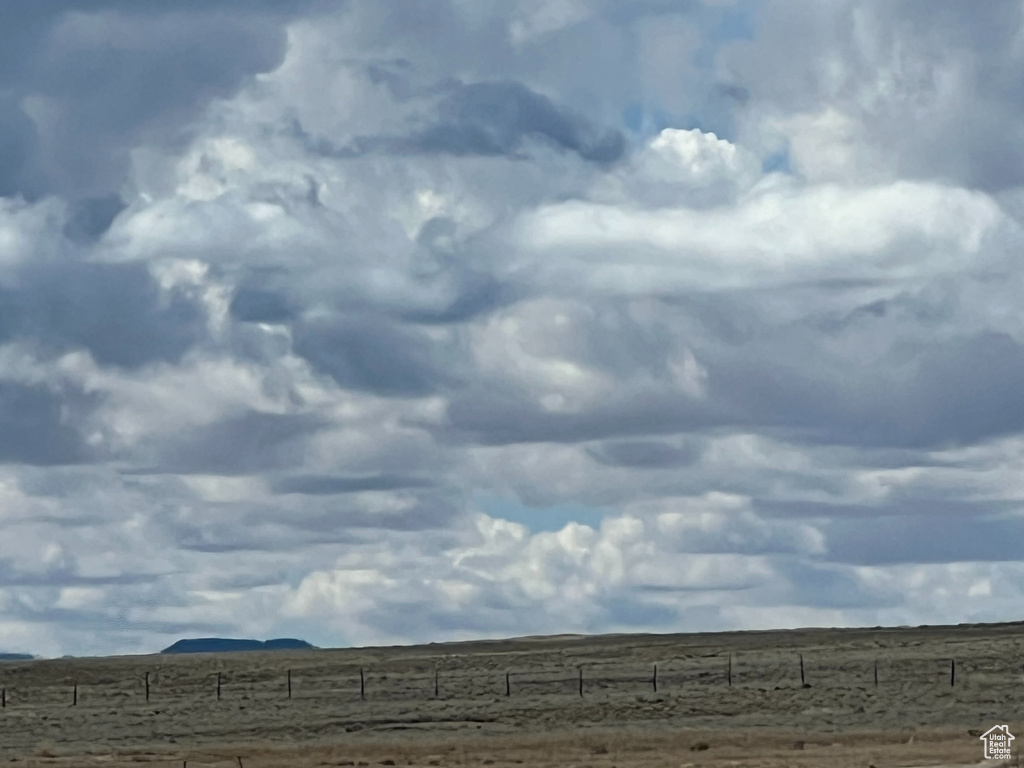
916, 714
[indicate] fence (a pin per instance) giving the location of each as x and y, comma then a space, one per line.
178, 684
179, 700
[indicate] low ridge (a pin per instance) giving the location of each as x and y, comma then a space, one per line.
225, 645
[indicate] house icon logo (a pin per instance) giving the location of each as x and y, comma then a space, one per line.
997, 742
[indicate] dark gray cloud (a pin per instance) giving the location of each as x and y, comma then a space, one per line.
966, 391
61, 483
942, 79
374, 355
935, 396
932, 508
329, 485
441, 288
486, 119
475, 294
968, 143
830, 586
639, 454
250, 442
927, 538
21, 169
116, 311
38, 425
13, 576
340, 516
112, 75
786, 383
232, 534
498, 414
502, 118
317, 521
90, 217
255, 305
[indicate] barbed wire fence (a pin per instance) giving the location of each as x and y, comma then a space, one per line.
176, 683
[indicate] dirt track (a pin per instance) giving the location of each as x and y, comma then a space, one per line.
765, 717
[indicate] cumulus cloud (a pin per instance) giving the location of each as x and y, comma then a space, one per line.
786, 235
862, 90
372, 324
90, 81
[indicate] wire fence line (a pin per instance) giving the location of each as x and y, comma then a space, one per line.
177, 683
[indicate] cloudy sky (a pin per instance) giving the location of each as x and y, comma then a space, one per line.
373, 322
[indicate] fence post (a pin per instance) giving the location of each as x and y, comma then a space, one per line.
508, 685
362, 685
289, 683
728, 672
218, 686
3, 698
952, 672
435, 683
654, 678
802, 681
876, 673
147, 686
581, 680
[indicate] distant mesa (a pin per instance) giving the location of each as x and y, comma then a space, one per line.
226, 645
16, 657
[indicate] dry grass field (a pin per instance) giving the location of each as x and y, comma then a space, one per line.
702, 714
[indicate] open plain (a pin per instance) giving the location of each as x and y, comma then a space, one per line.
882, 697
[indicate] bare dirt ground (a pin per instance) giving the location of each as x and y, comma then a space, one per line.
518, 703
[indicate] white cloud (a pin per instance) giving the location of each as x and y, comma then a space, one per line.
28, 231
273, 324
896, 233
828, 146
682, 168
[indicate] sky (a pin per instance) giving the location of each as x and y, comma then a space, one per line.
380, 323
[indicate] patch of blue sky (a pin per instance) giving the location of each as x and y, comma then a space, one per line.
645, 121
538, 519
737, 21
777, 163
713, 110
